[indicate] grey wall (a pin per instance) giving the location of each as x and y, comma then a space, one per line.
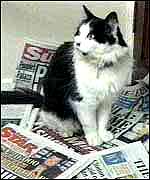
51, 22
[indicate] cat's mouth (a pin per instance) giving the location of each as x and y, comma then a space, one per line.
84, 54
81, 52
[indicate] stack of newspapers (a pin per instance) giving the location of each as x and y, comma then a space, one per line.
27, 155
30, 150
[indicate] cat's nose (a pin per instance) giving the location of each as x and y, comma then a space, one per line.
78, 44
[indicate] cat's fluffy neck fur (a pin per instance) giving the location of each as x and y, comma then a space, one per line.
113, 55
105, 80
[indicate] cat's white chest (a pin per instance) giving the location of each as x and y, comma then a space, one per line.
86, 76
85, 71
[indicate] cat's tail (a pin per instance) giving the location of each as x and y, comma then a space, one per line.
22, 96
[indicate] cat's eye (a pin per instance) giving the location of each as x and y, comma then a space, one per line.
91, 36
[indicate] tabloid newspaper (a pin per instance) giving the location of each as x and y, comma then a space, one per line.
31, 69
33, 64
27, 155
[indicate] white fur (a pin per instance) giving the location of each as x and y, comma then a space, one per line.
98, 86
65, 127
86, 44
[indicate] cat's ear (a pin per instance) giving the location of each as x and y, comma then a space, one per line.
112, 18
87, 12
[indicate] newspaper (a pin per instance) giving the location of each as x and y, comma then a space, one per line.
122, 120
75, 143
31, 68
130, 161
33, 64
13, 113
120, 124
7, 84
5, 174
27, 155
132, 106
132, 124
137, 132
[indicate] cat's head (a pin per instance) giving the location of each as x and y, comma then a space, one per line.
95, 36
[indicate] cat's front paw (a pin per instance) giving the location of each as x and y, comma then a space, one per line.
93, 139
66, 133
105, 135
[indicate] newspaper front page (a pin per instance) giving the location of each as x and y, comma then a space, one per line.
33, 64
27, 155
31, 69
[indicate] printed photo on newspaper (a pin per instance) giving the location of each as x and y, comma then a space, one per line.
28, 155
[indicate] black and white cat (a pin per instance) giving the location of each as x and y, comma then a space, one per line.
84, 77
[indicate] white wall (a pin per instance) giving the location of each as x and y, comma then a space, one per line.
51, 22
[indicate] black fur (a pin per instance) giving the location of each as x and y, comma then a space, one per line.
120, 38
102, 29
60, 84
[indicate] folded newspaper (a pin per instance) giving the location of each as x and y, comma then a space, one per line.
30, 156
137, 168
33, 64
14, 113
27, 155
